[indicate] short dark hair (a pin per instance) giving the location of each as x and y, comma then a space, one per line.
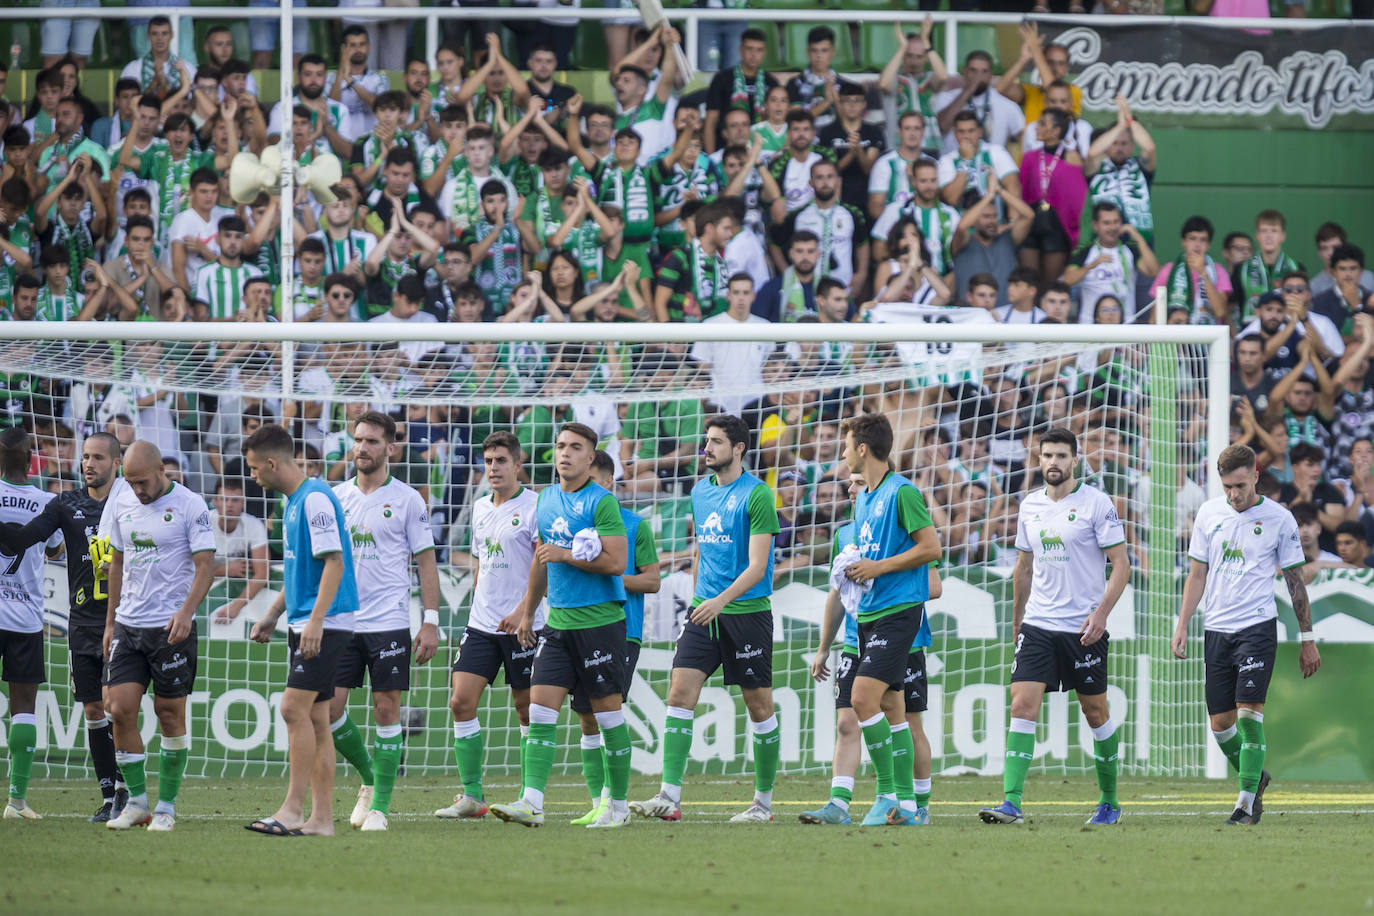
1053, 287
803, 235
1235, 458
110, 440
125, 85
1354, 529
1060, 435
1105, 206
983, 280
820, 33
503, 439
1197, 224
1328, 231
1304, 513
603, 462
735, 429
400, 155
1347, 252
232, 223
16, 451
552, 158
492, 187
978, 55
392, 98
826, 285
753, 35
580, 429
351, 30
739, 277
800, 116
412, 286
873, 430
204, 176
380, 420
270, 439
307, 245
339, 279
1306, 451
228, 483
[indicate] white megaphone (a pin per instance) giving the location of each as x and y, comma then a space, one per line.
320, 176
250, 176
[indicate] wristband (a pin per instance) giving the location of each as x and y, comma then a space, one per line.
1307, 636
430, 615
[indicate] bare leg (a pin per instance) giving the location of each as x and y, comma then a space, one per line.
321, 821
297, 709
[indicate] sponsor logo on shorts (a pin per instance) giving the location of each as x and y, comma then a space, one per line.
875, 642
1087, 661
393, 651
1251, 664
749, 652
912, 675
522, 652
597, 658
178, 661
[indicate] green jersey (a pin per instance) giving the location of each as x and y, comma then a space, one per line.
173, 180
55, 307
632, 191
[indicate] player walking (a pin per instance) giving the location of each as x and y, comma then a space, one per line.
1238, 542
504, 535
162, 569
730, 623
388, 524
579, 562
1067, 533
320, 598
21, 615
897, 543
76, 515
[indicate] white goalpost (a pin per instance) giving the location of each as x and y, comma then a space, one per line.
1150, 404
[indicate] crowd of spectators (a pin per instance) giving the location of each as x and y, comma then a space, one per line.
485, 192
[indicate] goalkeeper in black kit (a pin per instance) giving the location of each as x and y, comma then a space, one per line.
76, 514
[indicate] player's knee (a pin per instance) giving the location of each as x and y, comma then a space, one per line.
464, 708
759, 703
847, 726
95, 711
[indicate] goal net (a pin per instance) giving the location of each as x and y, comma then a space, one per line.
967, 400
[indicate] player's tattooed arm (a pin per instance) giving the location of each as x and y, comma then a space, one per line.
1309, 658
1297, 593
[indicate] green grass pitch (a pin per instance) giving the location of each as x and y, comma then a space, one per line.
1312, 854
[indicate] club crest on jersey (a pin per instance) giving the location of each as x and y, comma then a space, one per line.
386, 511
1073, 515
1259, 529
167, 516
515, 520
730, 503
712, 531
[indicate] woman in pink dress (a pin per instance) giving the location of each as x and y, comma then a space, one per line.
1052, 183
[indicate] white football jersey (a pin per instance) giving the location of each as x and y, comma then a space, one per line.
1243, 552
157, 541
1068, 540
388, 526
503, 539
21, 577
120, 498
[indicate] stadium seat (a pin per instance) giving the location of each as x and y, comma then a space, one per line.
794, 45
589, 47
877, 43
977, 38
772, 58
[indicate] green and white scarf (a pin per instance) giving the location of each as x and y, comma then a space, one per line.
746, 97
1182, 292
630, 192
170, 70
792, 297
935, 224
978, 167
544, 226
1256, 278
77, 240
58, 307
708, 284
499, 271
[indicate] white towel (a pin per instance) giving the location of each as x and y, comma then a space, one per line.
586, 545
850, 591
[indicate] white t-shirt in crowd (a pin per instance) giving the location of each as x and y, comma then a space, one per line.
736, 366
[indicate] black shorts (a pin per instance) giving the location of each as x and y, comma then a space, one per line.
1060, 662
580, 703
141, 654
23, 656
484, 654
1047, 233
318, 673
914, 687
87, 648
1239, 665
741, 644
384, 657
844, 677
590, 661
885, 643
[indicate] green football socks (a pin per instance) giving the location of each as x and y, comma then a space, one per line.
171, 766
767, 745
1107, 761
386, 750
878, 739
23, 745
903, 754
348, 741
593, 765
1229, 740
1251, 728
677, 743
617, 742
1020, 753
469, 746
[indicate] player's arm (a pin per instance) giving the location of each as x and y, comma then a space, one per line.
267, 624
1309, 659
760, 548
16, 538
427, 639
116, 584
331, 577
534, 594
937, 586
830, 625
1193, 587
647, 579
1020, 590
1095, 626
609, 562
183, 621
